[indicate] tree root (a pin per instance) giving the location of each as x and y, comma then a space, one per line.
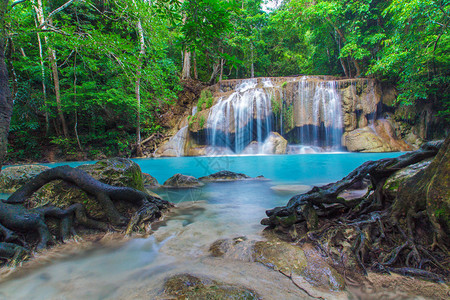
380, 234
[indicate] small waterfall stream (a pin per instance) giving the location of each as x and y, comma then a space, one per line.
312, 115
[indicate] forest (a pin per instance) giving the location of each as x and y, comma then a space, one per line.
96, 76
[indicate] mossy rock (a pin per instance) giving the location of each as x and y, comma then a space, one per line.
182, 181
12, 178
149, 180
114, 171
225, 176
187, 286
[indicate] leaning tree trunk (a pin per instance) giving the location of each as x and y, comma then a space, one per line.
6, 99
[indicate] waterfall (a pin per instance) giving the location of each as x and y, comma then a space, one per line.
242, 117
310, 114
318, 114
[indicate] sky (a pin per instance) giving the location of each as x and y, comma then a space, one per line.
270, 4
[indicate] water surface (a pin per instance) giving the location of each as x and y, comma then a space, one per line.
180, 243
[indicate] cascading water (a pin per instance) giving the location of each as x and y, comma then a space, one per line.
243, 117
318, 114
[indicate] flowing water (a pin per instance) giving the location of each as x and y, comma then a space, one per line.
308, 112
137, 269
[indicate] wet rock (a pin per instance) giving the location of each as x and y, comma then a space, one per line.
225, 176
114, 171
12, 178
182, 181
274, 144
221, 247
187, 286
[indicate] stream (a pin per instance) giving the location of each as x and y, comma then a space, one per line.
137, 269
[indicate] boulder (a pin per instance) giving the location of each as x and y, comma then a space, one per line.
187, 286
364, 140
274, 144
182, 181
304, 264
12, 178
114, 171
149, 180
225, 176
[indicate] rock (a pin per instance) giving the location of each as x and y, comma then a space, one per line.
364, 140
386, 132
182, 181
392, 184
175, 146
225, 176
197, 151
187, 286
303, 264
149, 180
291, 188
274, 144
12, 178
114, 171
252, 148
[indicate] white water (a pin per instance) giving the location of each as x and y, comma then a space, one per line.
246, 116
241, 118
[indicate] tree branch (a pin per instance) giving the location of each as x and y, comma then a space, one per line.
17, 2
62, 7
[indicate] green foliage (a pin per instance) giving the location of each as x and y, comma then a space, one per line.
276, 106
97, 49
201, 121
206, 97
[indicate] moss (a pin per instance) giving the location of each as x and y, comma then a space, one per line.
186, 286
287, 221
283, 85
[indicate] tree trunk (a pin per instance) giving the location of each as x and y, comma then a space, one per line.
215, 72
195, 66
52, 58
40, 19
221, 69
138, 88
6, 100
186, 73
